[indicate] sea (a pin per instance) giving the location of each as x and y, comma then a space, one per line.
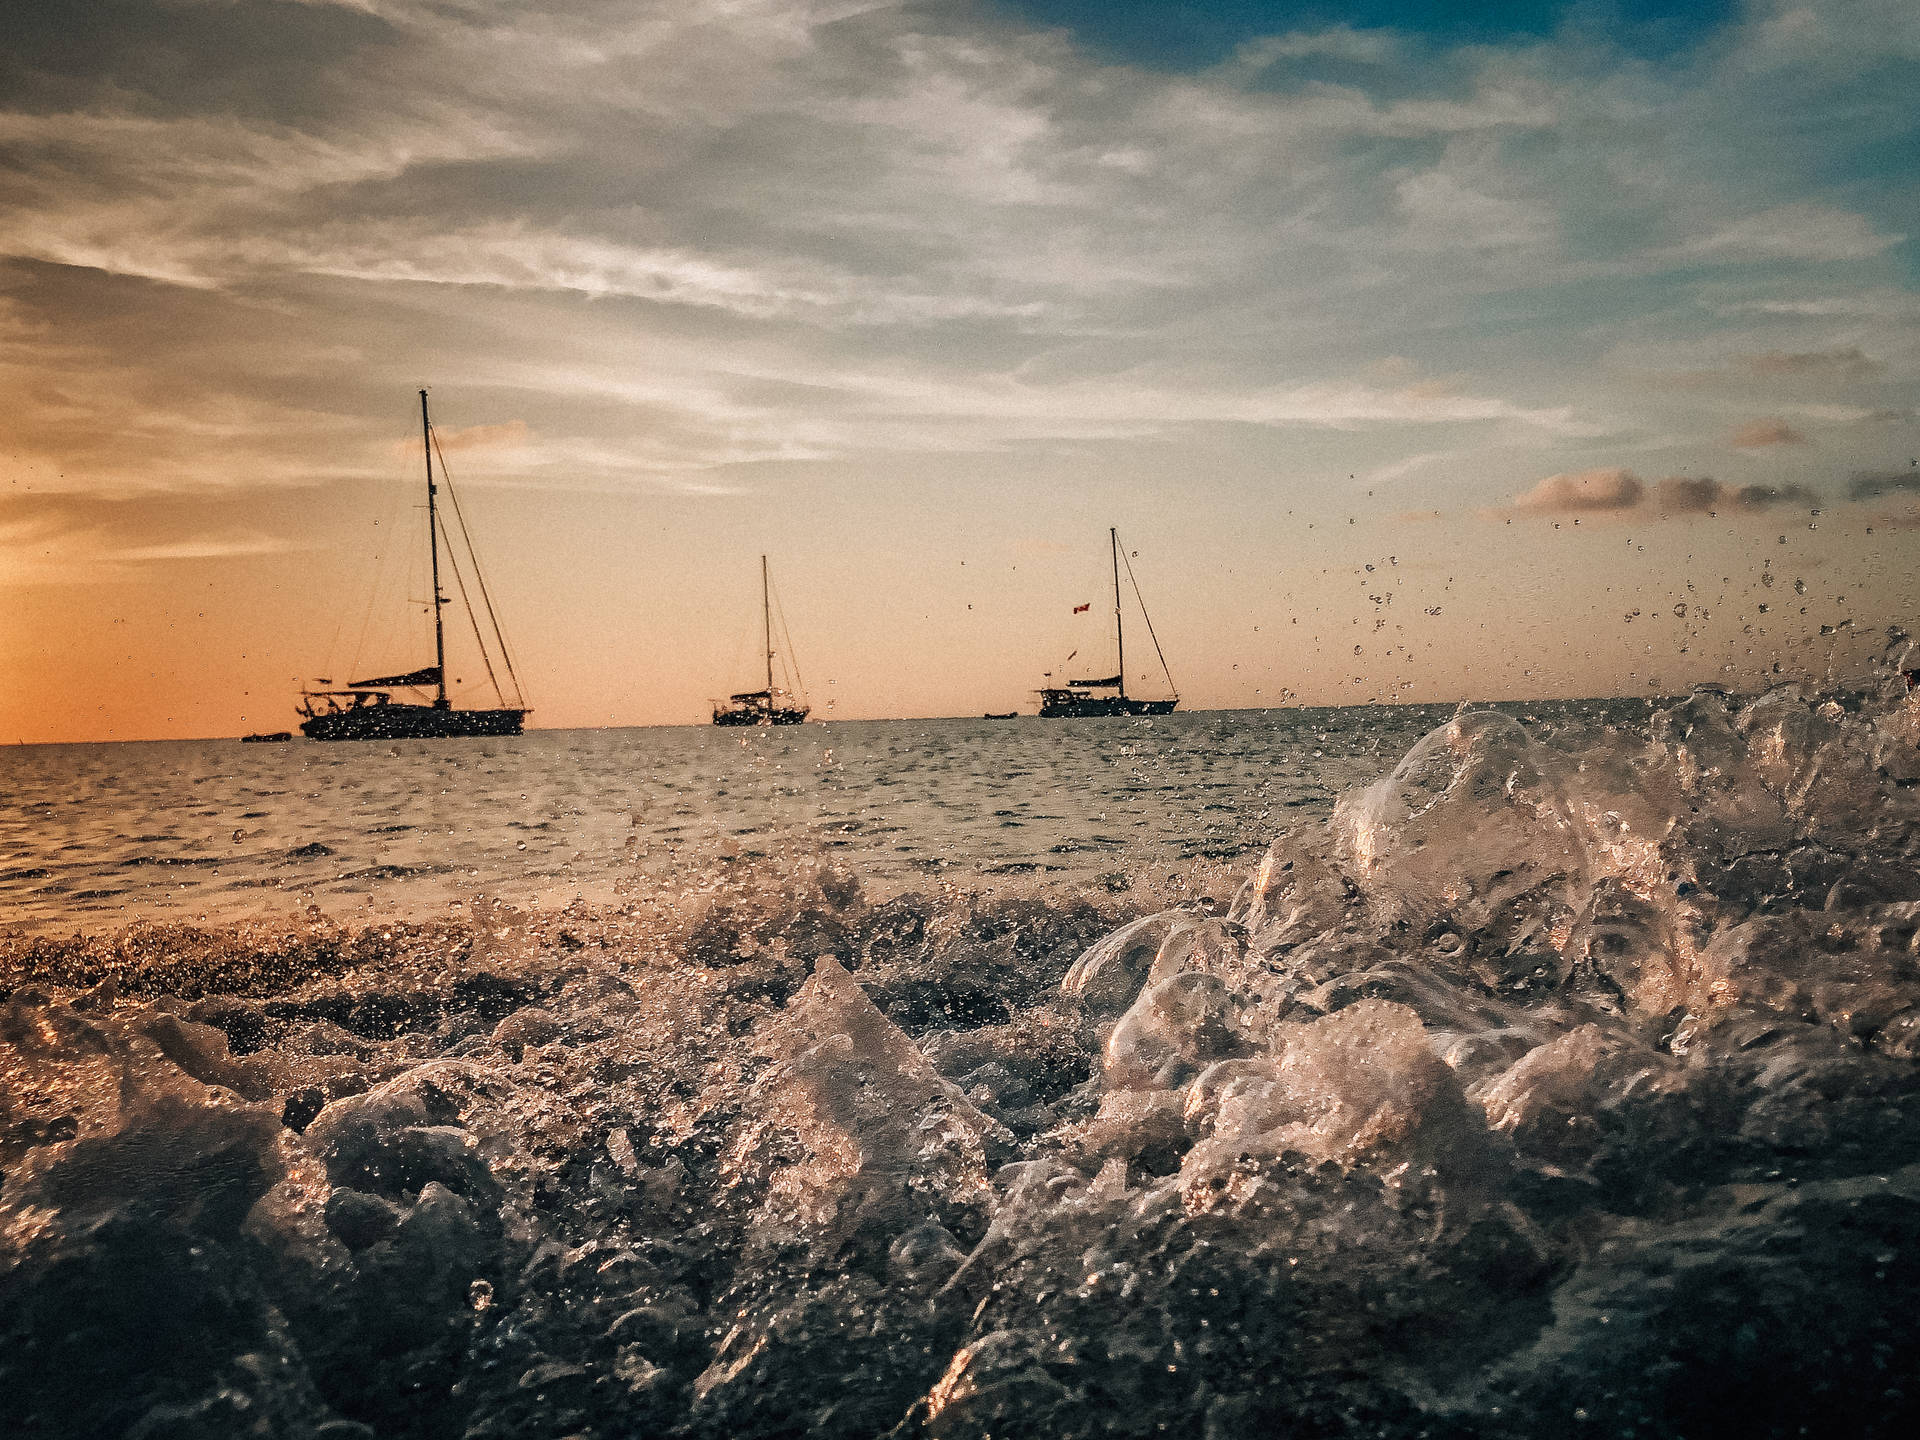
97, 836
1409, 1073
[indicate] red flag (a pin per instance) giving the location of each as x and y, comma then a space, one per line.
1078, 608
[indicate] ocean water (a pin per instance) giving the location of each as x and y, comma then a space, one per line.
1500, 1072
93, 836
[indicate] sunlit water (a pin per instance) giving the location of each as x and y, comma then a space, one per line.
97, 835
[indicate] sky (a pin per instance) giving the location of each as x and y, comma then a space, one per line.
1418, 352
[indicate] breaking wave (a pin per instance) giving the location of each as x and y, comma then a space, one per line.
1559, 1082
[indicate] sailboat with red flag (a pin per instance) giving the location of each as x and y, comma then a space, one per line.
1107, 695
775, 704
369, 710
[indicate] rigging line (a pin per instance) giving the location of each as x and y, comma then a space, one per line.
735, 652
473, 620
366, 623
479, 575
486, 598
792, 664
1149, 619
377, 580
375, 591
1089, 663
1062, 668
332, 652
788, 661
746, 641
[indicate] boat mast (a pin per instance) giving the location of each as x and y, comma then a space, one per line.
766, 619
433, 545
1119, 634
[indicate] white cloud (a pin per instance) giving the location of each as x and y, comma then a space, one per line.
50, 550
1790, 232
1359, 47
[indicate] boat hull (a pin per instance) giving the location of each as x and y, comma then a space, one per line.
759, 717
1091, 707
411, 722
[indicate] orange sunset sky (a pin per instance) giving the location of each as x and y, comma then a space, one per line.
1411, 364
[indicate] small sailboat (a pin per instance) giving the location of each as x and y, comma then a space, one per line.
367, 709
773, 705
1080, 699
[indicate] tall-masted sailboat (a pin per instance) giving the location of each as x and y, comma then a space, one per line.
771, 706
366, 709
1078, 698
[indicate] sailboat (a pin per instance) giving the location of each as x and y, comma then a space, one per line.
771, 706
1108, 695
367, 709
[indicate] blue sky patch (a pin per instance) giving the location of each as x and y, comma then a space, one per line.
1178, 36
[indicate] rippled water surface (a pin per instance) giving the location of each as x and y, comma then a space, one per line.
96, 835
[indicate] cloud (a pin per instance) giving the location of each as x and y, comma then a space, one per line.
1583, 492
1880, 304
507, 434
1768, 430
58, 544
200, 547
1849, 363
1869, 485
1357, 47
1816, 233
1617, 491
1703, 495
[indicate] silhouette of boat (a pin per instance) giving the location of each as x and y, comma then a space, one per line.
267, 737
1000, 715
1083, 699
367, 709
773, 705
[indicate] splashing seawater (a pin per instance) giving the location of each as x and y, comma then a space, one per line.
1558, 1081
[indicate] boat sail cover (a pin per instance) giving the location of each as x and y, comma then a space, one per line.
428, 675
1110, 680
